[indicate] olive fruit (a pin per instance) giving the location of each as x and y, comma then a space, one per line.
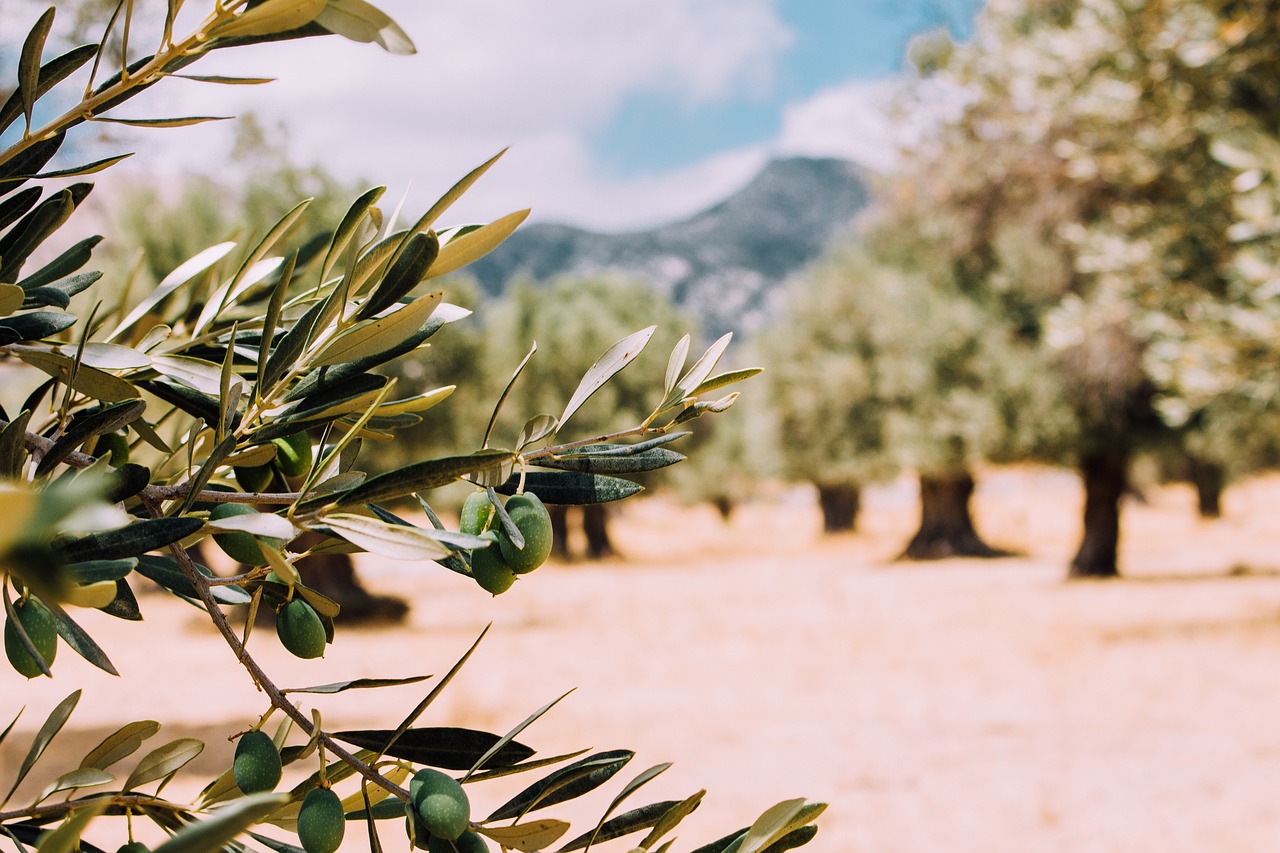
467, 842
441, 803
488, 567
321, 821
255, 479
300, 630
534, 523
293, 454
241, 547
476, 511
115, 445
133, 847
256, 766
41, 629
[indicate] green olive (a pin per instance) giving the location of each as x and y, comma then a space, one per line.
256, 766
115, 444
255, 479
300, 630
133, 847
534, 523
476, 512
293, 454
489, 568
441, 804
241, 547
467, 842
321, 821
41, 629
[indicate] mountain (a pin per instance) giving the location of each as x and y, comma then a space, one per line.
724, 264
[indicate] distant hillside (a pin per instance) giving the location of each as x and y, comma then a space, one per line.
723, 264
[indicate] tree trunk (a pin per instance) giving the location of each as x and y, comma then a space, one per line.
1105, 475
946, 523
840, 503
595, 523
1209, 480
334, 575
725, 506
559, 531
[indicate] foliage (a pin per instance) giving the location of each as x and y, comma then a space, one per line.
261, 351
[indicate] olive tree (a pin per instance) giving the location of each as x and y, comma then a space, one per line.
153, 424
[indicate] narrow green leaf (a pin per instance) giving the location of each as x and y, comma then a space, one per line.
387, 540
120, 744
85, 426
529, 837
34, 326
703, 367
11, 297
624, 828
51, 74
376, 336
502, 398
108, 356
408, 269
84, 169
652, 460
624, 824
424, 476
675, 364
93, 571
270, 17
213, 833
725, 379
13, 449
671, 818
164, 761
348, 228
511, 735
772, 825
29, 62
226, 81
184, 121
535, 429
133, 540
447, 748
565, 784
89, 381
614, 359
183, 274
475, 244
572, 488
358, 684
361, 22
4, 734
422, 706
79, 641
166, 572
48, 731
83, 777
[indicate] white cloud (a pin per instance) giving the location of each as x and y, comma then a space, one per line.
853, 120
539, 77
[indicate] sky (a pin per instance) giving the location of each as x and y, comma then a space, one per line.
617, 114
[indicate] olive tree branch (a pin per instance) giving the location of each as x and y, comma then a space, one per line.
259, 676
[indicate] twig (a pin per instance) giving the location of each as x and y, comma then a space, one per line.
259, 676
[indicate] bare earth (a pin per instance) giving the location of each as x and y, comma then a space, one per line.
954, 706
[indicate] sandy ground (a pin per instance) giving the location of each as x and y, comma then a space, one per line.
954, 706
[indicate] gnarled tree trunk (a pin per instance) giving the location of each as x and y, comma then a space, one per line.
946, 522
1209, 479
595, 523
559, 531
1106, 475
840, 503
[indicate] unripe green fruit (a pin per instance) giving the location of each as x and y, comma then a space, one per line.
255, 479
534, 523
476, 511
115, 444
441, 803
41, 629
321, 821
241, 547
133, 847
256, 767
293, 454
489, 568
468, 842
300, 630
